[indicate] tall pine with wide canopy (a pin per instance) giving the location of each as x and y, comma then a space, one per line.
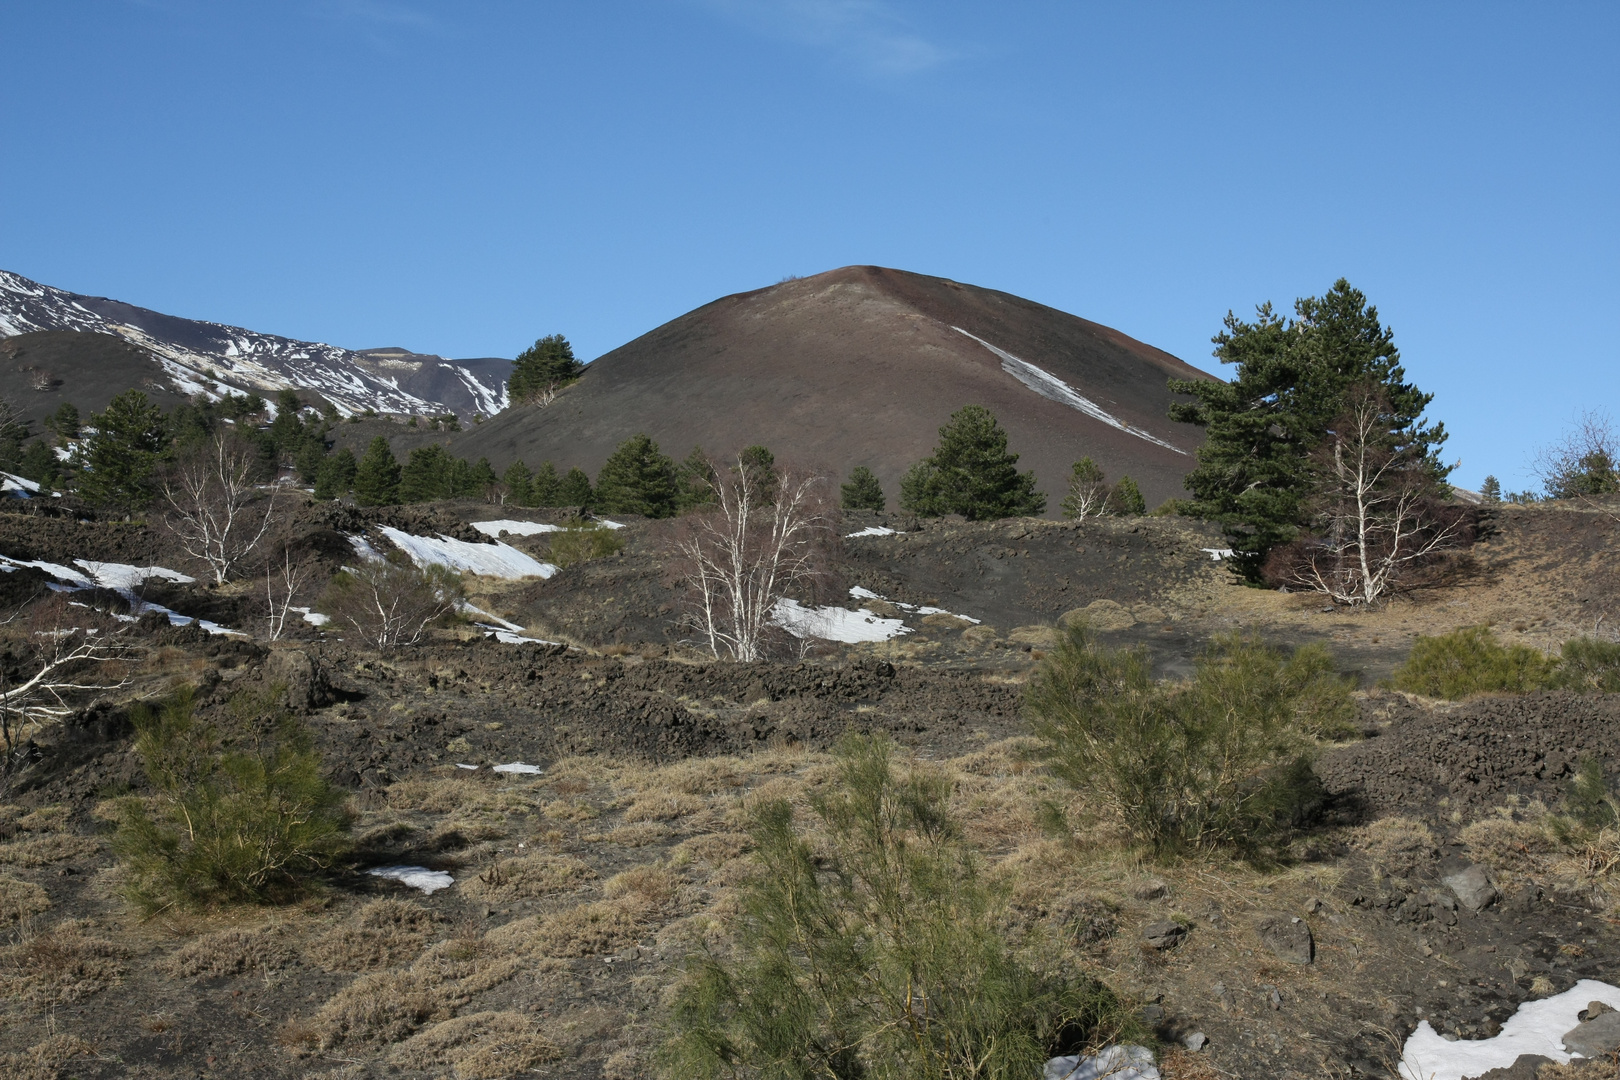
1293, 379
971, 473
638, 479
547, 365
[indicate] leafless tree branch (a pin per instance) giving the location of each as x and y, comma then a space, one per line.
216, 511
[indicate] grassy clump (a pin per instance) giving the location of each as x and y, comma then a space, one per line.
1589, 665
1216, 760
584, 542
1471, 661
226, 824
876, 953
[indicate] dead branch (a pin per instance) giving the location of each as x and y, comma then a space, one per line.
216, 510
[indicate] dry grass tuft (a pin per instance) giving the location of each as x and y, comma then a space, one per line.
638, 835
1398, 844
61, 965
663, 806
45, 848
230, 952
385, 933
589, 929
44, 1060
480, 1046
656, 885
527, 876
439, 795
1502, 843
714, 848
385, 1007
570, 810
21, 899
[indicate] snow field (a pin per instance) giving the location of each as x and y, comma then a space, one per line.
1537, 1028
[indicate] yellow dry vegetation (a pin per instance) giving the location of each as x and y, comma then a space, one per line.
526, 877
479, 1046
44, 1060
231, 951
384, 933
20, 900
59, 965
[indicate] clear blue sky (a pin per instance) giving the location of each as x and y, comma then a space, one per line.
463, 177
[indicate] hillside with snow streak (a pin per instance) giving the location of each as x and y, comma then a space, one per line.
207, 358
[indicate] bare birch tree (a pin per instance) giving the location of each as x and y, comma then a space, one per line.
283, 578
67, 652
391, 604
1378, 515
744, 556
216, 510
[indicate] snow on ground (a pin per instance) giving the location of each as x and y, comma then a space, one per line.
519, 768
834, 623
870, 530
1115, 1062
516, 528
867, 594
1538, 1027
1052, 388
1219, 553
417, 877
123, 579
507, 633
490, 560
20, 487
362, 547
314, 618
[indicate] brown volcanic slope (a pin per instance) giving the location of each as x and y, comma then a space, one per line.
860, 366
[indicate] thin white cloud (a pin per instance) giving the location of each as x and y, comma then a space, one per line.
869, 34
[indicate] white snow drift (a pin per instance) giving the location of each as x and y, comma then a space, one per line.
417, 877
121, 578
835, 623
531, 528
1052, 388
1538, 1027
490, 560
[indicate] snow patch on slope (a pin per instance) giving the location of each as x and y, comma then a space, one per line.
1052, 388
490, 560
1538, 1027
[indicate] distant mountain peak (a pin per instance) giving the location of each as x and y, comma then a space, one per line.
210, 359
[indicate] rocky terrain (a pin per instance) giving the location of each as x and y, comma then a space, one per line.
1433, 889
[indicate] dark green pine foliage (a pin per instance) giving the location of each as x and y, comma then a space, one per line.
759, 465
432, 473
575, 489
1126, 499
862, 491
376, 480
547, 364
39, 463
130, 440
519, 481
1291, 381
64, 422
695, 481
637, 479
971, 473
544, 488
336, 474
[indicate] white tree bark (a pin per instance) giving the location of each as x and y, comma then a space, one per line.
216, 511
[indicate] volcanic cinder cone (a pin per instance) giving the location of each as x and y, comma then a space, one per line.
861, 366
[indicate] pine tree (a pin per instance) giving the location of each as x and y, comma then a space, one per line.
1126, 499
695, 481
759, 465
483, 478
1088, 491
123, 454
971, 473
862, 491
1292, 381
426, 476
575, 489
544, 488
64, 422
336, 475
1491, 490
309, 458
519, 481
637, 479
376, 480
546, 365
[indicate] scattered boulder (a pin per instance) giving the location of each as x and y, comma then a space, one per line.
1152, 890
1596, 1037
1593, 1010
305, 681
1287, 937
1472, 887
1164, 934
1196, 1041
1524, 1067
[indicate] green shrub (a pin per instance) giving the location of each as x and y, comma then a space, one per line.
1589, 800
584, 542
1216, 760
876, 954
1590, 665
226, 824
1471, 661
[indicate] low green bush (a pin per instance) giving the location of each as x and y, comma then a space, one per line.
252, 822
1589, 665
1221, 759
584, 542
877, 953
1471, 661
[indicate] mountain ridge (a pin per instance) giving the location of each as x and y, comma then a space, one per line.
201, 357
